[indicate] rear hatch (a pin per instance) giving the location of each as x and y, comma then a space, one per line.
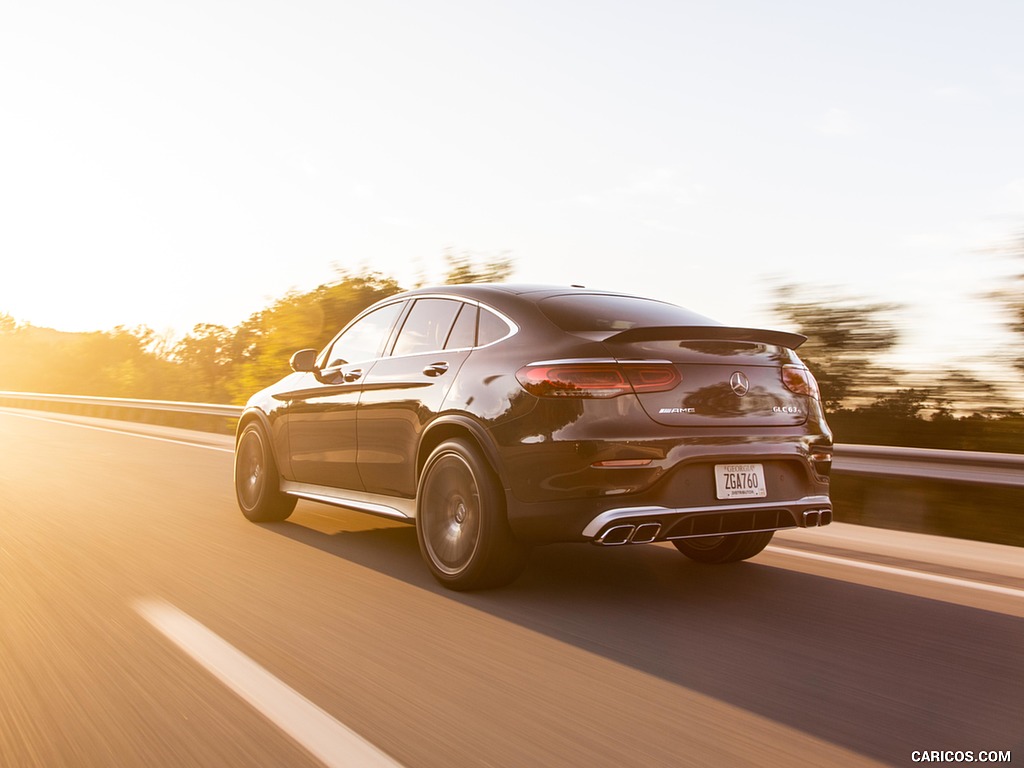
728, 377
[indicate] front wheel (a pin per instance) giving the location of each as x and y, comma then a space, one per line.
257, 485
724, 549
461, 523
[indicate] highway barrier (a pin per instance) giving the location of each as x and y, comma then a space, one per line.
968, 494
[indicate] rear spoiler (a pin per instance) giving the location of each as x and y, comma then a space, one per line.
709, 333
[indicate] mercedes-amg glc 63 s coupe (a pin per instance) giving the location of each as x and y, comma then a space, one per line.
496, 417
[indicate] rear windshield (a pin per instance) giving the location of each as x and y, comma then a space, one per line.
589, 312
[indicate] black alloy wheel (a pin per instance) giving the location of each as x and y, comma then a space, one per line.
257, 483
461, 523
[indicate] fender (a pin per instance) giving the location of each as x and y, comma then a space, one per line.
455, 423
252, 413
277, 438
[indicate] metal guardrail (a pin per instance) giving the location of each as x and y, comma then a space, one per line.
176, 406
997, 469
994, 469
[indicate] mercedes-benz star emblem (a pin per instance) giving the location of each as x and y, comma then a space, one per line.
740, 384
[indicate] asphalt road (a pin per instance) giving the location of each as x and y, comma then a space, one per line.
144, 621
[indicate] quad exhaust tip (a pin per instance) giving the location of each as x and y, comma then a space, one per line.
618, 535
644, 533
814, 518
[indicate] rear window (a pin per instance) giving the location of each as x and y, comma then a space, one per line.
492, 328
589, 312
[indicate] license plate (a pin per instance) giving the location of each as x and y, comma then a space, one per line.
740, 481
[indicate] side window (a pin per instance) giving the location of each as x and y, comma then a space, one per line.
491, 329
366, 338
427, 326
463, 335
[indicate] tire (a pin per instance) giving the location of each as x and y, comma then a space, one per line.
257, 483
724, 549
461, 522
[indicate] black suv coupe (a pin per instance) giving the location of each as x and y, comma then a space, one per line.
496, 417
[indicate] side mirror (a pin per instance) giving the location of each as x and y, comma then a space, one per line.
304, 361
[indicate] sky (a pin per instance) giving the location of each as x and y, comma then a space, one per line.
173, 163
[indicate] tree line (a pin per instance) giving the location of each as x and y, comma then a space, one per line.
866, 400
211, 363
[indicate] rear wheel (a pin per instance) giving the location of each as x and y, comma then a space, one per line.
724, 549
257, 483
461, 521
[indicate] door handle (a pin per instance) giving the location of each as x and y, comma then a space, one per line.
352, 375
435, 369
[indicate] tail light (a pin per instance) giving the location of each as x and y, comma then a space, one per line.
598, 379
822, 462
800, 380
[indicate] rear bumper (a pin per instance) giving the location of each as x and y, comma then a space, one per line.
595, 473
642, 525
682, 504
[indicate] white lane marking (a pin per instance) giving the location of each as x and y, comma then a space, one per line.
119, 432
332, 742
893, 570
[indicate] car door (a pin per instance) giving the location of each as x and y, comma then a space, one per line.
404, 391
321, 421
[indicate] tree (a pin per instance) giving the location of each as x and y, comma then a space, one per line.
261, 346
962, 392
1011, 296
845, 339
206, 353
463, 268
116, 363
